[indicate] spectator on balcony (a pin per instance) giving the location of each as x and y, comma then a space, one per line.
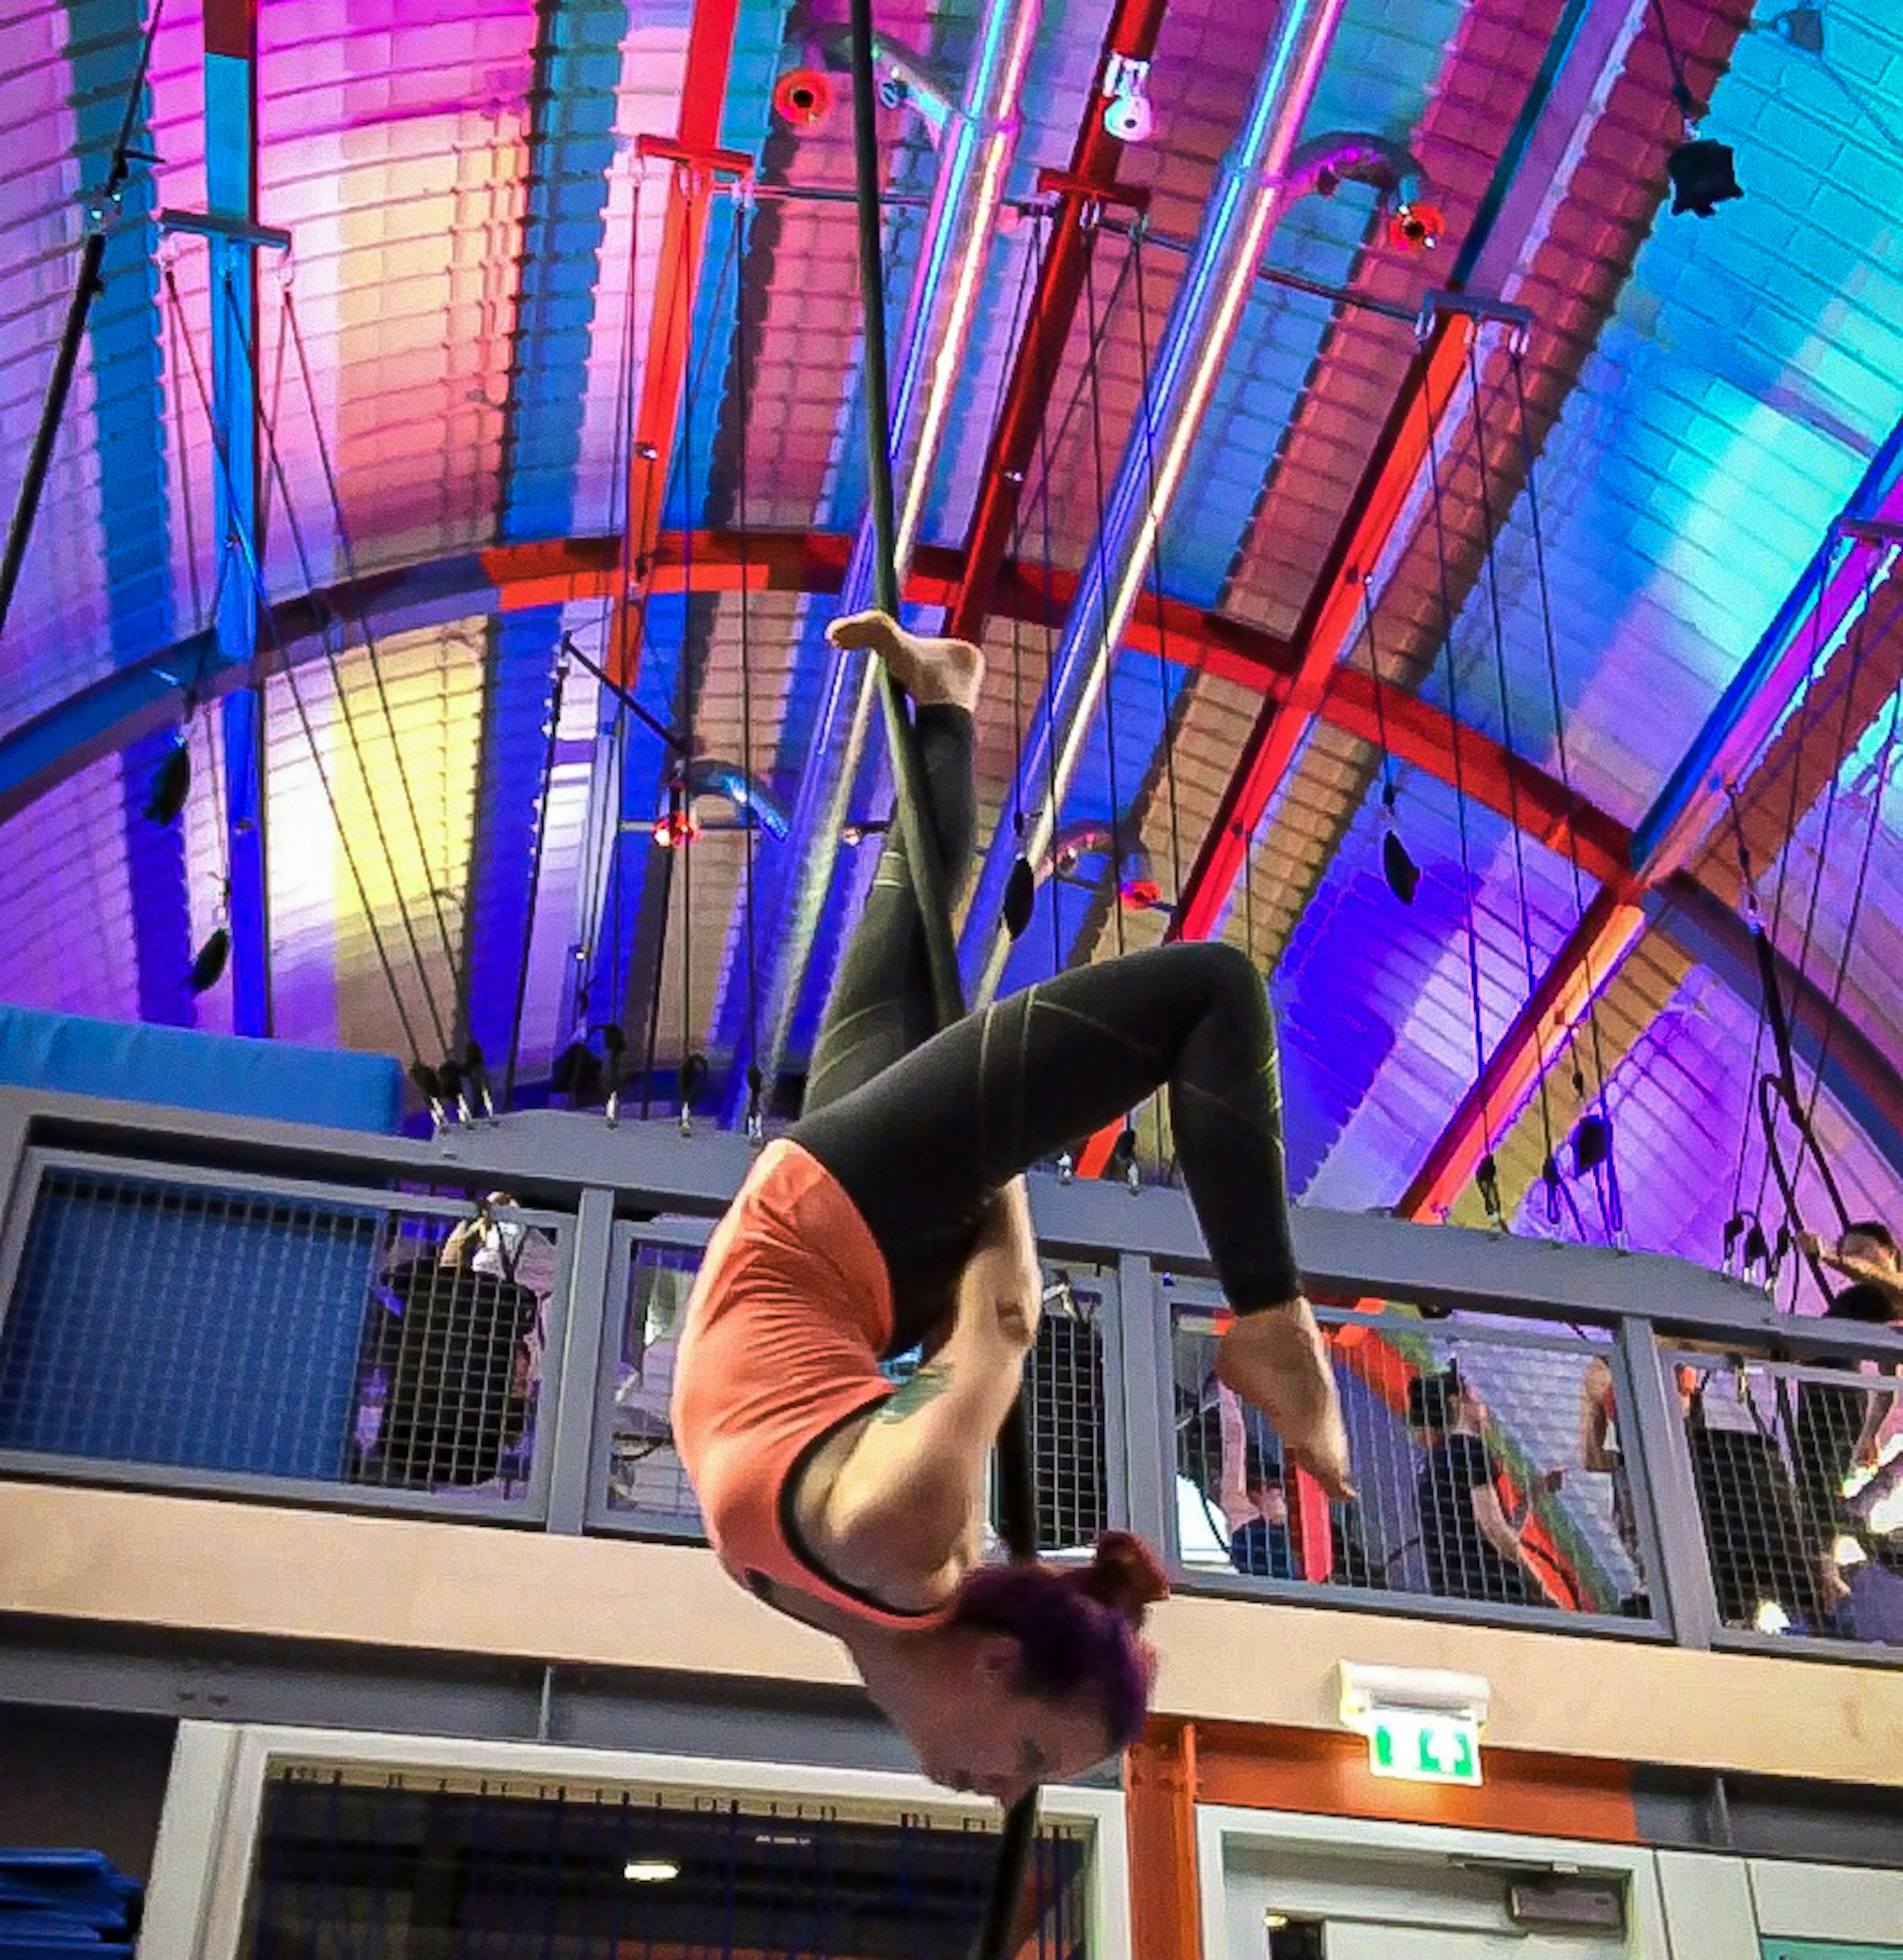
1836, 1430
1255, 1508
1471, 1548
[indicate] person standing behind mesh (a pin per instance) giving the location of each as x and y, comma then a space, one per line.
1469, 1545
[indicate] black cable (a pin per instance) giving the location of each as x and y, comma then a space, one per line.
1490, 537
86, 287
1138, 236
1885, 756
555, 689
276, 469
1682, 94
1517, 365
1109, 653
222, 462
756, 1096
347, 554
1485, 1177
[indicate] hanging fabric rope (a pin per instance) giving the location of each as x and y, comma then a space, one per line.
1016, 1489
1549, 1166
1485, 1175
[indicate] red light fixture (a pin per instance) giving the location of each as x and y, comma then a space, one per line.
1416, 226
804, 95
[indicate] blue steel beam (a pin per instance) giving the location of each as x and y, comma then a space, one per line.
128, 418
231, 193
975, 150
1248, 198
571, 154
1825, 600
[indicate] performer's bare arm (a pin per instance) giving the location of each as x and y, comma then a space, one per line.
899, 1515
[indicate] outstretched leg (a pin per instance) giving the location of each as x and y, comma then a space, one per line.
881, 1006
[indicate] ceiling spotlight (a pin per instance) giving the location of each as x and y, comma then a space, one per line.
1703, 177
1127, 114
804, 95
1802, 26
1416, 226
650, 1871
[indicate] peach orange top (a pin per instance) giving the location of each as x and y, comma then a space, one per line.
787, 1320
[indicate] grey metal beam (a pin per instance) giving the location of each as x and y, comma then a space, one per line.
653, 1169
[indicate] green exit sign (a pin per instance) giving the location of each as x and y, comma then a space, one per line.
1423, 1747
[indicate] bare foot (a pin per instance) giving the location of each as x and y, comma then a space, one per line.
931, 671
1275, 1359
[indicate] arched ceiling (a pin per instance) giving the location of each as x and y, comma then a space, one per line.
1586, 518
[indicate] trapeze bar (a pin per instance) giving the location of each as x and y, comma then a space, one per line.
233, 231
734, 164
1443, 302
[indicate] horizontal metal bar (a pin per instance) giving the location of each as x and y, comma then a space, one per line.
233, 230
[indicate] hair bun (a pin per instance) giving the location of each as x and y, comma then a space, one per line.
1122, 1574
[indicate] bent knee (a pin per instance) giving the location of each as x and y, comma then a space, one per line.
1218, 967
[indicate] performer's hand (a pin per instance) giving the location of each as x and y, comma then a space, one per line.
1001, 1291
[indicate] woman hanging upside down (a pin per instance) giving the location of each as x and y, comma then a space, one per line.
894, 1214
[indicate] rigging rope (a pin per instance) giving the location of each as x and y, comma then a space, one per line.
755, 1115
557, 684
241, 545
1017, 1498
1109, 655
1517, 365
1549, 1167
348, 554
1485, 1177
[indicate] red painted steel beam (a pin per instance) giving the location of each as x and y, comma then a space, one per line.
1844, 698
1091, 178
696, 159
1328, 626
505, 578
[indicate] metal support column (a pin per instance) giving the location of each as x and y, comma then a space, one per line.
570, 1432
232, 197
1652, 1435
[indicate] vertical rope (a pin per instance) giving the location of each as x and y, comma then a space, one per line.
1018, 1511
1489, 1189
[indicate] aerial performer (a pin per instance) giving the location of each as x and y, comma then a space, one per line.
893, 1217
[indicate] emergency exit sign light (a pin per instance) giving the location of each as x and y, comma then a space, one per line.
1423, 1745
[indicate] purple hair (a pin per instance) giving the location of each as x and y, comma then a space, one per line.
1077, 1628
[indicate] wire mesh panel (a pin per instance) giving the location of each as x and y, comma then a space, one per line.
1069, 1442
199, 1327
1485, 1461
645, 1487
352, 1868
1799, 1476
